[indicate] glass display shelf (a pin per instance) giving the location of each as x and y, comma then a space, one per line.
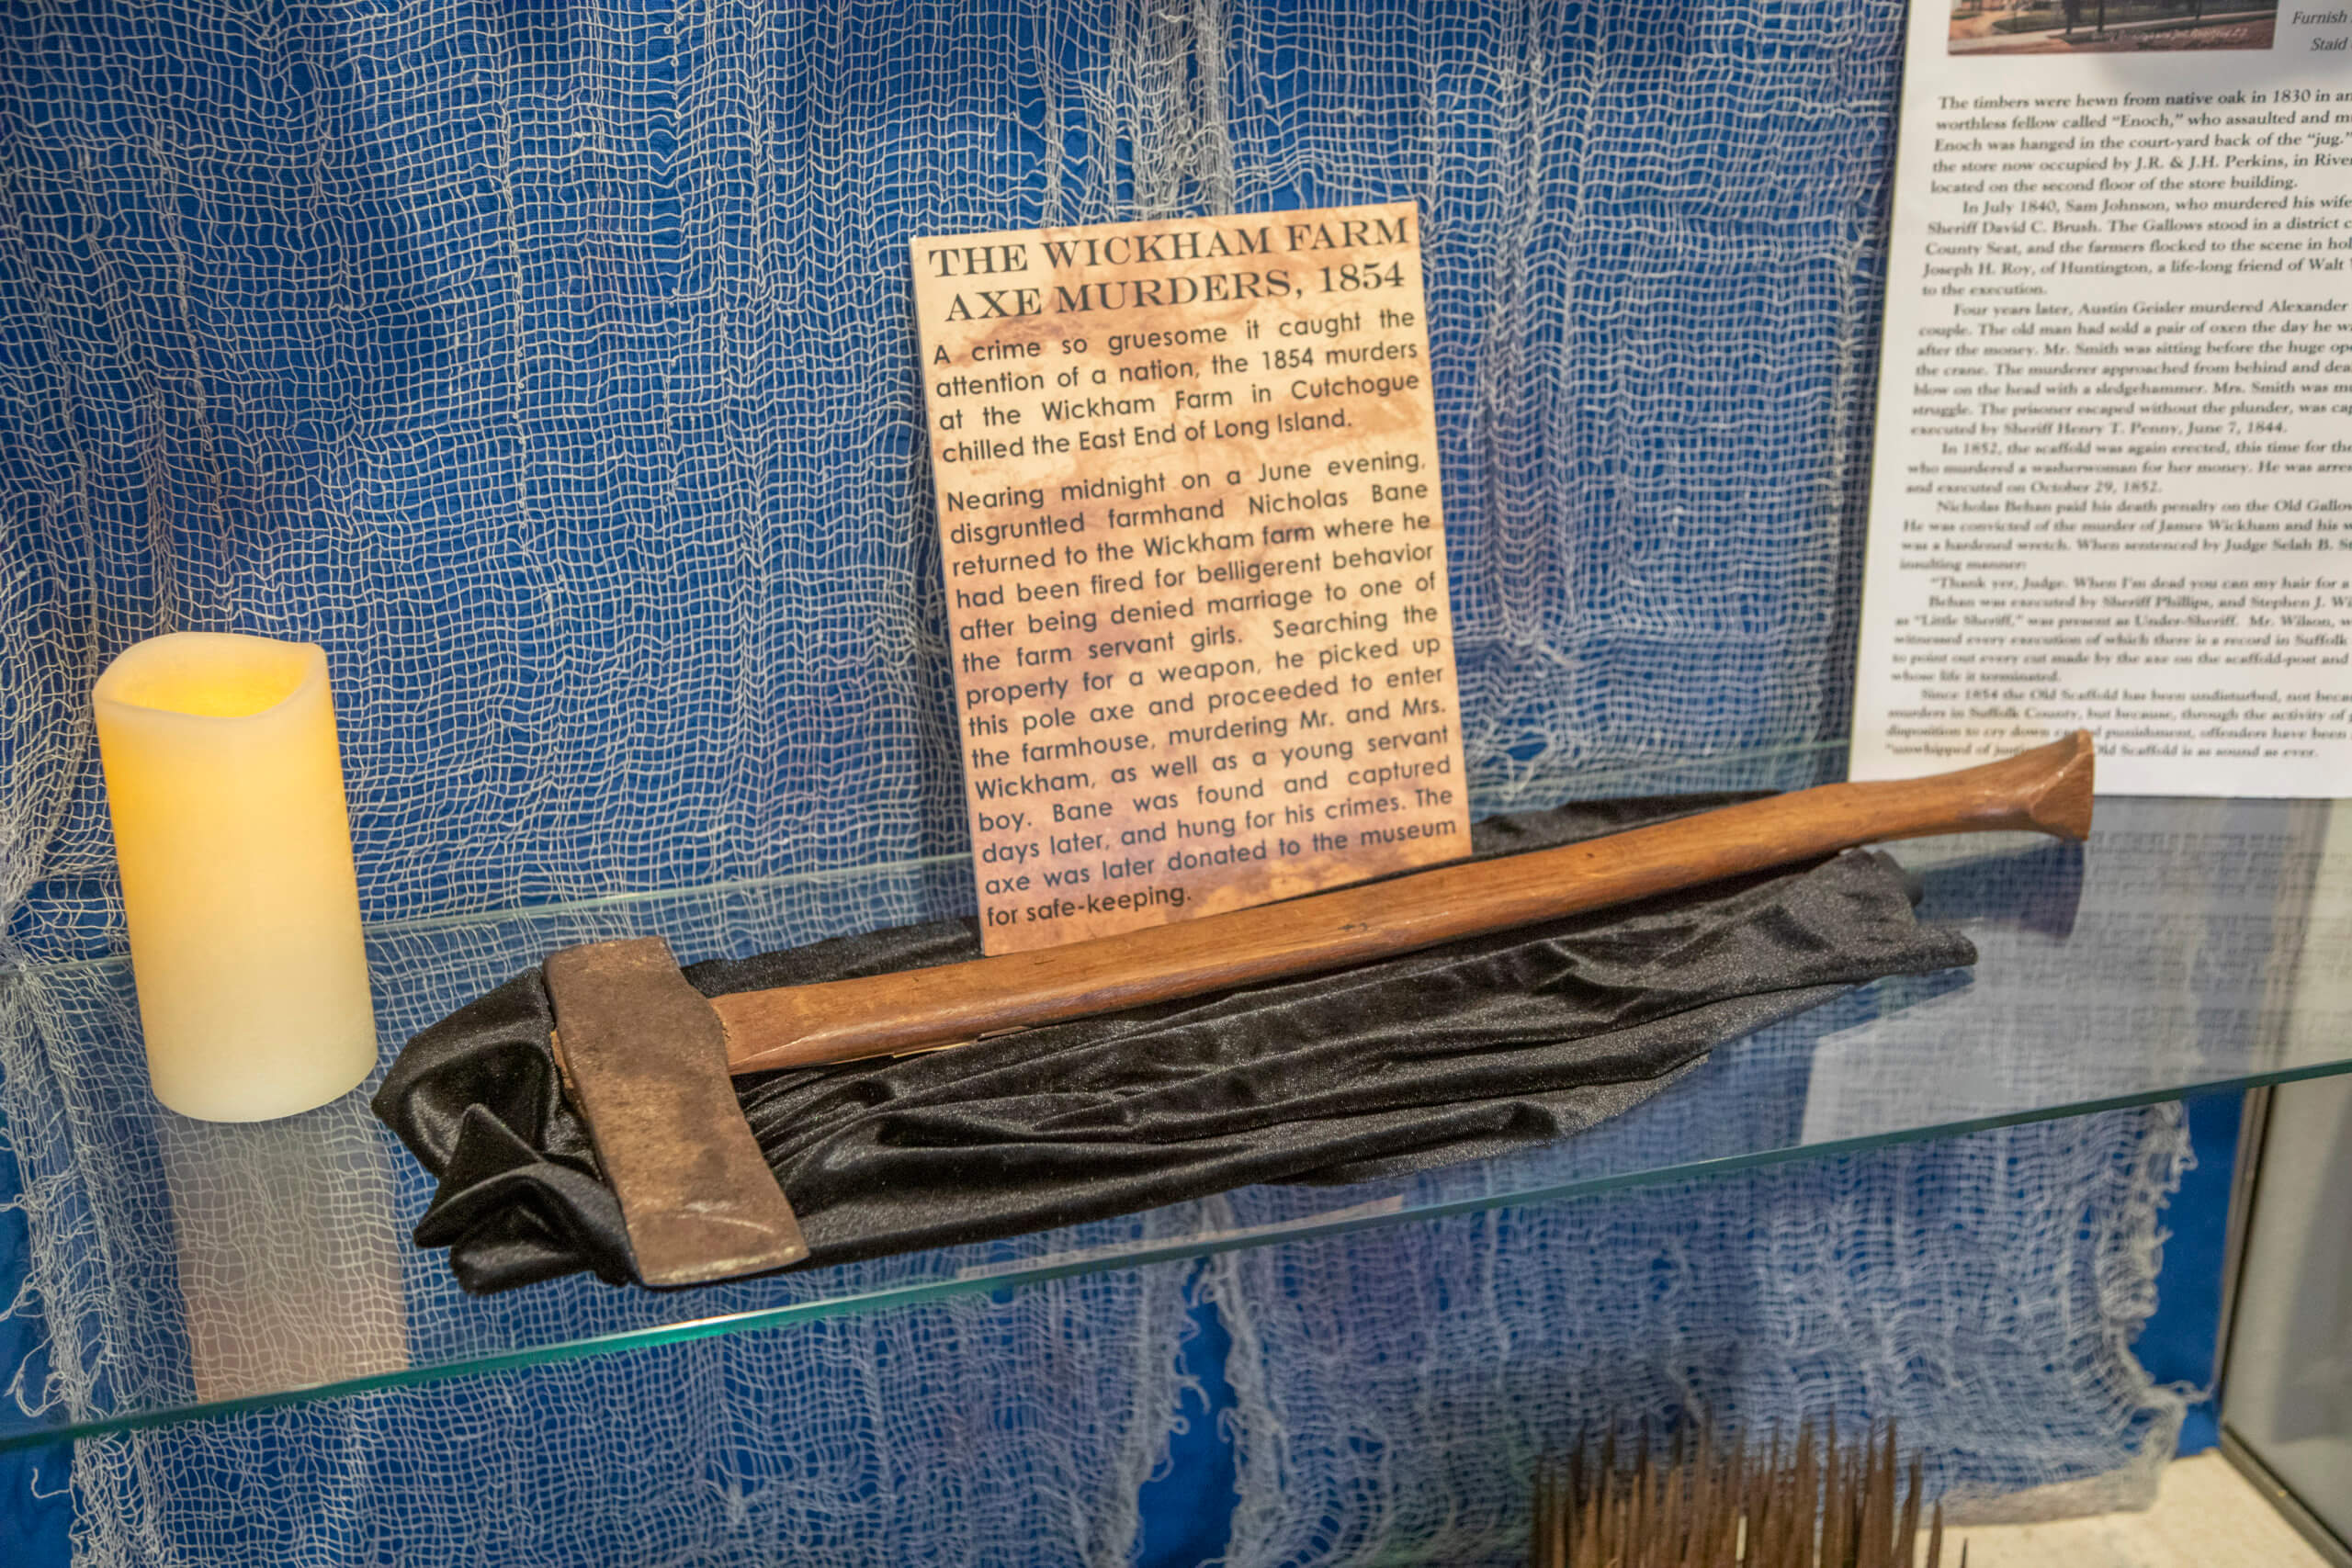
2190, 946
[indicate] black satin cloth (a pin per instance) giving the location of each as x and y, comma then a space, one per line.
1448, 1055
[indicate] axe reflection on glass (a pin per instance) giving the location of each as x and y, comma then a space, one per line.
647, 1058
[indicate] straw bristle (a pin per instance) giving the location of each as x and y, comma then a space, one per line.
1717, 1503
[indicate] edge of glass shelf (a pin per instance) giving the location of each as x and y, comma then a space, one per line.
1494, 796
1065, 1265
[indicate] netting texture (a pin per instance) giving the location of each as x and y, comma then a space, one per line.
973, 1432
1394, 1391
551, 365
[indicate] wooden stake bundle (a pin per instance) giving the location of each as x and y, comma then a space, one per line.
1719, 1505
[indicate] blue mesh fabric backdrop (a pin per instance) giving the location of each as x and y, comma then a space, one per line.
550, 364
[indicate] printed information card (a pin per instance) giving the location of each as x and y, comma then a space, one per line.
2113, 480
1188, 498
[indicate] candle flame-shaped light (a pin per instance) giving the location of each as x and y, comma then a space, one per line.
226, 790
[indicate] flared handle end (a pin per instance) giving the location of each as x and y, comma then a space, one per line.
2054, 785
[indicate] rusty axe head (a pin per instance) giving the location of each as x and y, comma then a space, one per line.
645, 1058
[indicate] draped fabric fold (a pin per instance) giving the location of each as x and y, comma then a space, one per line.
1456, 1053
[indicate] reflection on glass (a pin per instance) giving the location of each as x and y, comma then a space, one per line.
2190, 943
2288, 1390
288, 1248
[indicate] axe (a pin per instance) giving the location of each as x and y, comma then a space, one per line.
647, 1058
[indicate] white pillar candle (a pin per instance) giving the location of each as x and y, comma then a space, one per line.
226, 791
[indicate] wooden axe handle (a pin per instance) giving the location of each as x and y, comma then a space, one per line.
2046, 789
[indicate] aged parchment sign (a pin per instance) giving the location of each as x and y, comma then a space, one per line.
1188, 497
